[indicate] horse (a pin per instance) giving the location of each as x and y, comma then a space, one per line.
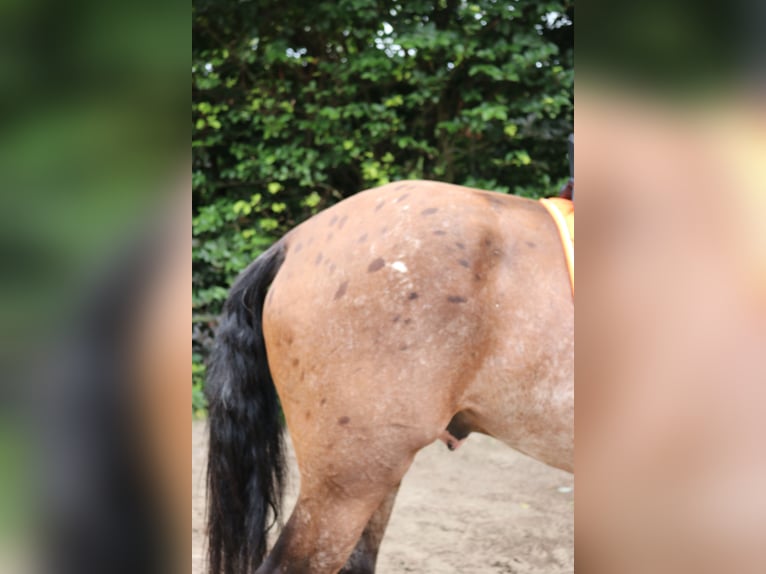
410, 313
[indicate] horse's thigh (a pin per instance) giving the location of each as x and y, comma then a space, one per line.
365, 554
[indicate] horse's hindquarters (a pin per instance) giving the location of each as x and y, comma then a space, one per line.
393, 311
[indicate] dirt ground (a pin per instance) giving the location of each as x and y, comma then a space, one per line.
484, 509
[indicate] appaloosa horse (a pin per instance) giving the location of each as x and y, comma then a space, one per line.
409, 313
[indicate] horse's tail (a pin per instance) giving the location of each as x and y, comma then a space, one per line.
245, 470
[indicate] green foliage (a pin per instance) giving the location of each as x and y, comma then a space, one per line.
296, 105
198, 385
16, 483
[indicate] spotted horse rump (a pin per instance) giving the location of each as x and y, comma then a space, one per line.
405, 314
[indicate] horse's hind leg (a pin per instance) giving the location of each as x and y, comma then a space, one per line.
344, 501
365, 554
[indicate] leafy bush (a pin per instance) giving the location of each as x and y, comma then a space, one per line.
296, 105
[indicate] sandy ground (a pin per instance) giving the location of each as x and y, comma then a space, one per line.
484, 509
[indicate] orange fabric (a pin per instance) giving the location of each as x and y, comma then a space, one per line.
562, 211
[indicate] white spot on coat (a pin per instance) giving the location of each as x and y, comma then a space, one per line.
399, 266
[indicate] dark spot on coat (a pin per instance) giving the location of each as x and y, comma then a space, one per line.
407, 321
376, 265
377, 207
464, 263
396, 318
496, 201
440, 232
323, 401
487, 242
341, 291
362, 238
412, 296
460, 245
383, 230
295, 362
402, 198
343, 420
403, 347
531, 244
308, 415
318, 259
342, 221
429, 211
333, 220
456, 299
477, 276
298, 247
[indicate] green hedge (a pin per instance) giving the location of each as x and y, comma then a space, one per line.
296, 105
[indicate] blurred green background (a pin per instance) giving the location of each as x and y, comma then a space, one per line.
297, 105
92, 138
93, 145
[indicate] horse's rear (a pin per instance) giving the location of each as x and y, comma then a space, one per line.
405, 314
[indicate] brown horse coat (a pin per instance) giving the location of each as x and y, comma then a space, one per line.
393, 312
402, 315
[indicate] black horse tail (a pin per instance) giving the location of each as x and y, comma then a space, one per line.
246, 460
